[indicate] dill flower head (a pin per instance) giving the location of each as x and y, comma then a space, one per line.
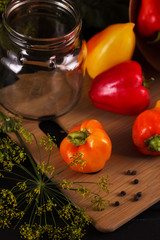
77, 220
48, 142
8, 208
9, 124
10, 154
3, 3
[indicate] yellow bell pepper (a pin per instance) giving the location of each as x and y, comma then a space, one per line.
113, 45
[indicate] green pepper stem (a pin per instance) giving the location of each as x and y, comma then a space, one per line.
147, 82
157, 39
153, 143
78, 138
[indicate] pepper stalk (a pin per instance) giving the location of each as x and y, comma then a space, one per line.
153, 143
78, 138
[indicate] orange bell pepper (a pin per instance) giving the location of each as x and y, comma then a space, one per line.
113, 45
146, 131
91, 141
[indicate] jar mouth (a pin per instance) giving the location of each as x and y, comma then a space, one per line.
42, 23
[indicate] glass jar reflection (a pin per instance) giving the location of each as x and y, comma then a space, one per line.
42, 58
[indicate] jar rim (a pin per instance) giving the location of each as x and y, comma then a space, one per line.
51, 42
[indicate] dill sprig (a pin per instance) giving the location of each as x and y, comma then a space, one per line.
3, 3
34, 200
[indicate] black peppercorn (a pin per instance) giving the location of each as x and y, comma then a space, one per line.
129, 172
136, 181
133, 172
117, 203
137, 196
123, 193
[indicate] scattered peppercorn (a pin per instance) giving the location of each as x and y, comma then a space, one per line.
129, 172
123, 193
136, 181
117, 203
133, 172
137, 196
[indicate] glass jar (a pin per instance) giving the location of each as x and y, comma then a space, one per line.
42, 58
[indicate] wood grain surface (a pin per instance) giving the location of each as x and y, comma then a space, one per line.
124, 157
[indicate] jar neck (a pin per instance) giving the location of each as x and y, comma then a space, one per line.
43, 9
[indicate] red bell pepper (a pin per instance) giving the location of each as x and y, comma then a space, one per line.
120, 89
148, 20
146, 131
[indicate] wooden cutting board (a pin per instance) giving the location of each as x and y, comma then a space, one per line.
124, 157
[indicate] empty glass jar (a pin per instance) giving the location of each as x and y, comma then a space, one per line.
42, 58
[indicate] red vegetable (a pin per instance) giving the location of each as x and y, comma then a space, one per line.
146, 131
148, 20
120, 89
